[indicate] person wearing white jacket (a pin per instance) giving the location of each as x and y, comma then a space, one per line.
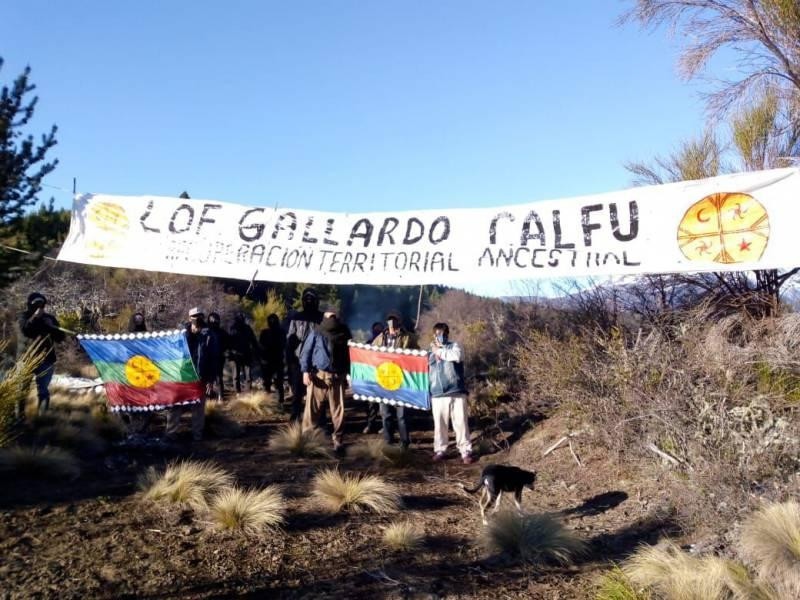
448, 395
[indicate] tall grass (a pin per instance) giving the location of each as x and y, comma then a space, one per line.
15, 384
381, 452
184, 482
354, 492
220, 423
291, 439
536, 539
33, 463
403, 536
770, 541
252, 512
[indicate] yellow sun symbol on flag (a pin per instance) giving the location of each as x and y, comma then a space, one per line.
389, 376
142, 372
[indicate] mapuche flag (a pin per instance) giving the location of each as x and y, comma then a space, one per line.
145, 370
390, 375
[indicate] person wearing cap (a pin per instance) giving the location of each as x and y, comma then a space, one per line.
325, 364
448, 395
38, 327
301, 324
393, 417
204, 350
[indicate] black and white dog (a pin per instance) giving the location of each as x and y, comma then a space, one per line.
496, 479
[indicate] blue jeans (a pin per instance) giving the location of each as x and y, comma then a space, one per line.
393, 417
43, 373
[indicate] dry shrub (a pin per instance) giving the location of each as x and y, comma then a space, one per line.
381, 452
254, 405
615, 585
32, 463
252, 512
79, 439
536, 539
184, 482
403, 536
770, 541
354, 492
666, 571
291, 439
219, 423
15, 384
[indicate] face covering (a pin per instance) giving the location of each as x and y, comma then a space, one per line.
441, 338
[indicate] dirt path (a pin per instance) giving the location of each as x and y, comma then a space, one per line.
94, 539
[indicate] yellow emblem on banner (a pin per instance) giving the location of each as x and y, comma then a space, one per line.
389, 376
142, 372
724, 228
107, 226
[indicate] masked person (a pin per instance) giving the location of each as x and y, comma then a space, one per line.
272, 341
39, 327
136, 323
393, 417
215, 325
448, 395
325, 363
243, 349
372, 407
301, 324
204, 350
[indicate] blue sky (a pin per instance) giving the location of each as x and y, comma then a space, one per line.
348, 105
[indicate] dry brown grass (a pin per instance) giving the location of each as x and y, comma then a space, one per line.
184, 482
354, 492
251, 512
615, 585
254, 405
76, 438
15, 385
32, 463
291, 439
770, 541
381, 452
403, 536
219, 422
536, 539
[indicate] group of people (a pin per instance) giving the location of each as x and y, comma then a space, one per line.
313, 352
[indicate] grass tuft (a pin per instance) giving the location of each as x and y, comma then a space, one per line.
219, 423
255, 405
533, 539
615, 585
291, 439
402, 536
252, 512
770, 541
381, 452
184, 482
354, 492
32, 463
79, 439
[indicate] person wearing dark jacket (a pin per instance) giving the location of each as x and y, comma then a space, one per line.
39, 327
204, 350
136, 323
215, 325
393, 417
325, 362
448, 394
372, 407
272, 341
138, 422
301, 324
243, 348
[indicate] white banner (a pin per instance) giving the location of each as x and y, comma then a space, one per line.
734, 222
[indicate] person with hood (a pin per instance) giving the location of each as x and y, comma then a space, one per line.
204, 350
301, 324
325, 363
39, 327
243, 348
393, 417
272, 341
215, 325
448, 395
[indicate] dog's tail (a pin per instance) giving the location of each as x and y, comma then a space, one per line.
472, 490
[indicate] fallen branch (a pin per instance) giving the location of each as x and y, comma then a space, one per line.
556, 445
575, 456
668, 457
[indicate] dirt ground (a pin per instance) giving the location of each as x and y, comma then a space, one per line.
94, 538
